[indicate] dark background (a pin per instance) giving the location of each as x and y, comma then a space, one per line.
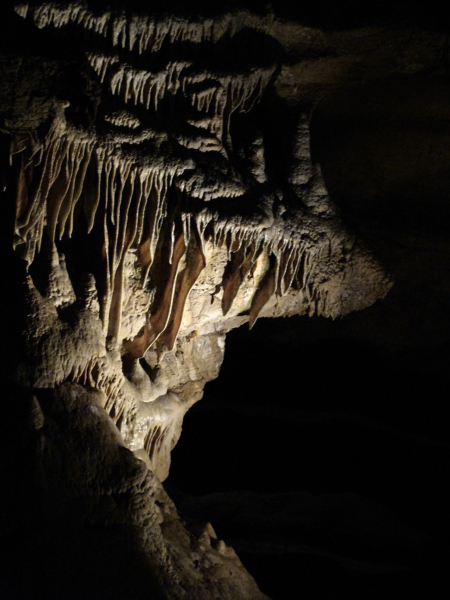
323, 460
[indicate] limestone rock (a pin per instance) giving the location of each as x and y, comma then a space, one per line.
152, 206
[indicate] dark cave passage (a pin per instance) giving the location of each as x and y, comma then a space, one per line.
322, 460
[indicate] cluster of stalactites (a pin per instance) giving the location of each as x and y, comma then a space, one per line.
128, 31
131, 202
288, 258
142, 32
61, 163
148, 88
128, 198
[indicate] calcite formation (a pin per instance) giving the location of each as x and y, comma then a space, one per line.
148, 222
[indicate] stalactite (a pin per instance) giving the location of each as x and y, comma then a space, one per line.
235, 274
162, 306
185, 280
101, 63
265, 290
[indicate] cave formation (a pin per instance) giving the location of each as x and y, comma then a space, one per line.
170, 174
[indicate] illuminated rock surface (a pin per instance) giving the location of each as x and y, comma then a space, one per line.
158, 191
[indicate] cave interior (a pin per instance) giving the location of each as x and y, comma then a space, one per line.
171, 175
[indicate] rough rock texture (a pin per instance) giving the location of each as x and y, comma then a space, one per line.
158, 170
158, 191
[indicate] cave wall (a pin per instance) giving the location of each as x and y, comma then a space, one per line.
161, 187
